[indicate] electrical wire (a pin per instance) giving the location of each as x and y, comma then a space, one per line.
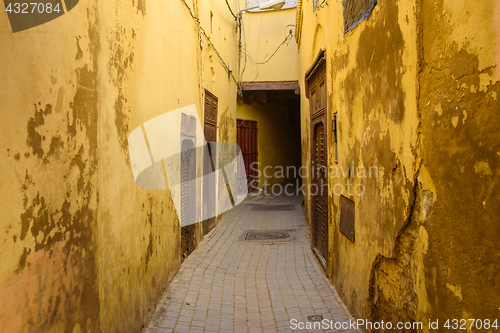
197, 20
247, 54
286, 41
232, 13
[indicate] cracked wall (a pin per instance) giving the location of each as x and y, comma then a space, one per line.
371, 87
461, 139
415, 92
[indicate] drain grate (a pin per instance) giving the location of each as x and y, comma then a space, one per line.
273, 207
315, 318
268, 235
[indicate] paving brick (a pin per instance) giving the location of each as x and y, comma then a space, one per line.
228, 285
181, 328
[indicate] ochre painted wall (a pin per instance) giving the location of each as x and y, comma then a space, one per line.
262, 33
84, 249
415, 90
459, 105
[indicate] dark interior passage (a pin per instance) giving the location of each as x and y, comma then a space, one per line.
276, 116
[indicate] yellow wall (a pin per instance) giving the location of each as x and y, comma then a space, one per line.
278, 144
415, 96
459, 105
262, 33
84, 249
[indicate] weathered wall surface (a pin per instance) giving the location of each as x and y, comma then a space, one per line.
85, 249
278, 142
415, 91
459, 91
371, 86
50, 175
262, 33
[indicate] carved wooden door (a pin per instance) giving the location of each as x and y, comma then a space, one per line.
316, 79
209, 186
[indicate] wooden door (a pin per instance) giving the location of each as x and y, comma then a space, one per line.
188, 188
247, 141
209, 186
316, 80
320, 191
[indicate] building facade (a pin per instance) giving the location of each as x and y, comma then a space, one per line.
84, 248
399, 113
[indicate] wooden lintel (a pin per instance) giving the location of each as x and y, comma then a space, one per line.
271, 85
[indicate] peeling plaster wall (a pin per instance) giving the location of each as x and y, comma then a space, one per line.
461, 154
84, 249
415, 91
49, 141
371, 83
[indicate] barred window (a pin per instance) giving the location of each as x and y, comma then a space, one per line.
355, 11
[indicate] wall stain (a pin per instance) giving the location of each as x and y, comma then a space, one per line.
79, 53
381, 55
34, 139
56, 279
372, 97
117, 66
461, 129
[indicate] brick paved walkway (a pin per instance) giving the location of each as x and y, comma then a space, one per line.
233, 285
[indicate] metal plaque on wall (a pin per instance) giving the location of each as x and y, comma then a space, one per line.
347, 217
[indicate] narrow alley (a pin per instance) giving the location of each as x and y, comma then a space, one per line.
250, 166
235, 284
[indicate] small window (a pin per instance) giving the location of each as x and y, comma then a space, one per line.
355, 11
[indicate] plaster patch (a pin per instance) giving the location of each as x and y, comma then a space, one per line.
496, 24
456, 290
463, 15
465, 117
423, 237
454, 121
426, 180
484, 81
482, 168
439, 109
76, 328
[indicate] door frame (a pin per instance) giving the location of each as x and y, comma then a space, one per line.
246, 131
317, 117
188, 144
209, 190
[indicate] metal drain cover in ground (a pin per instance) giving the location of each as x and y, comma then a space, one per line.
315, 318
267, 235
273, 207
